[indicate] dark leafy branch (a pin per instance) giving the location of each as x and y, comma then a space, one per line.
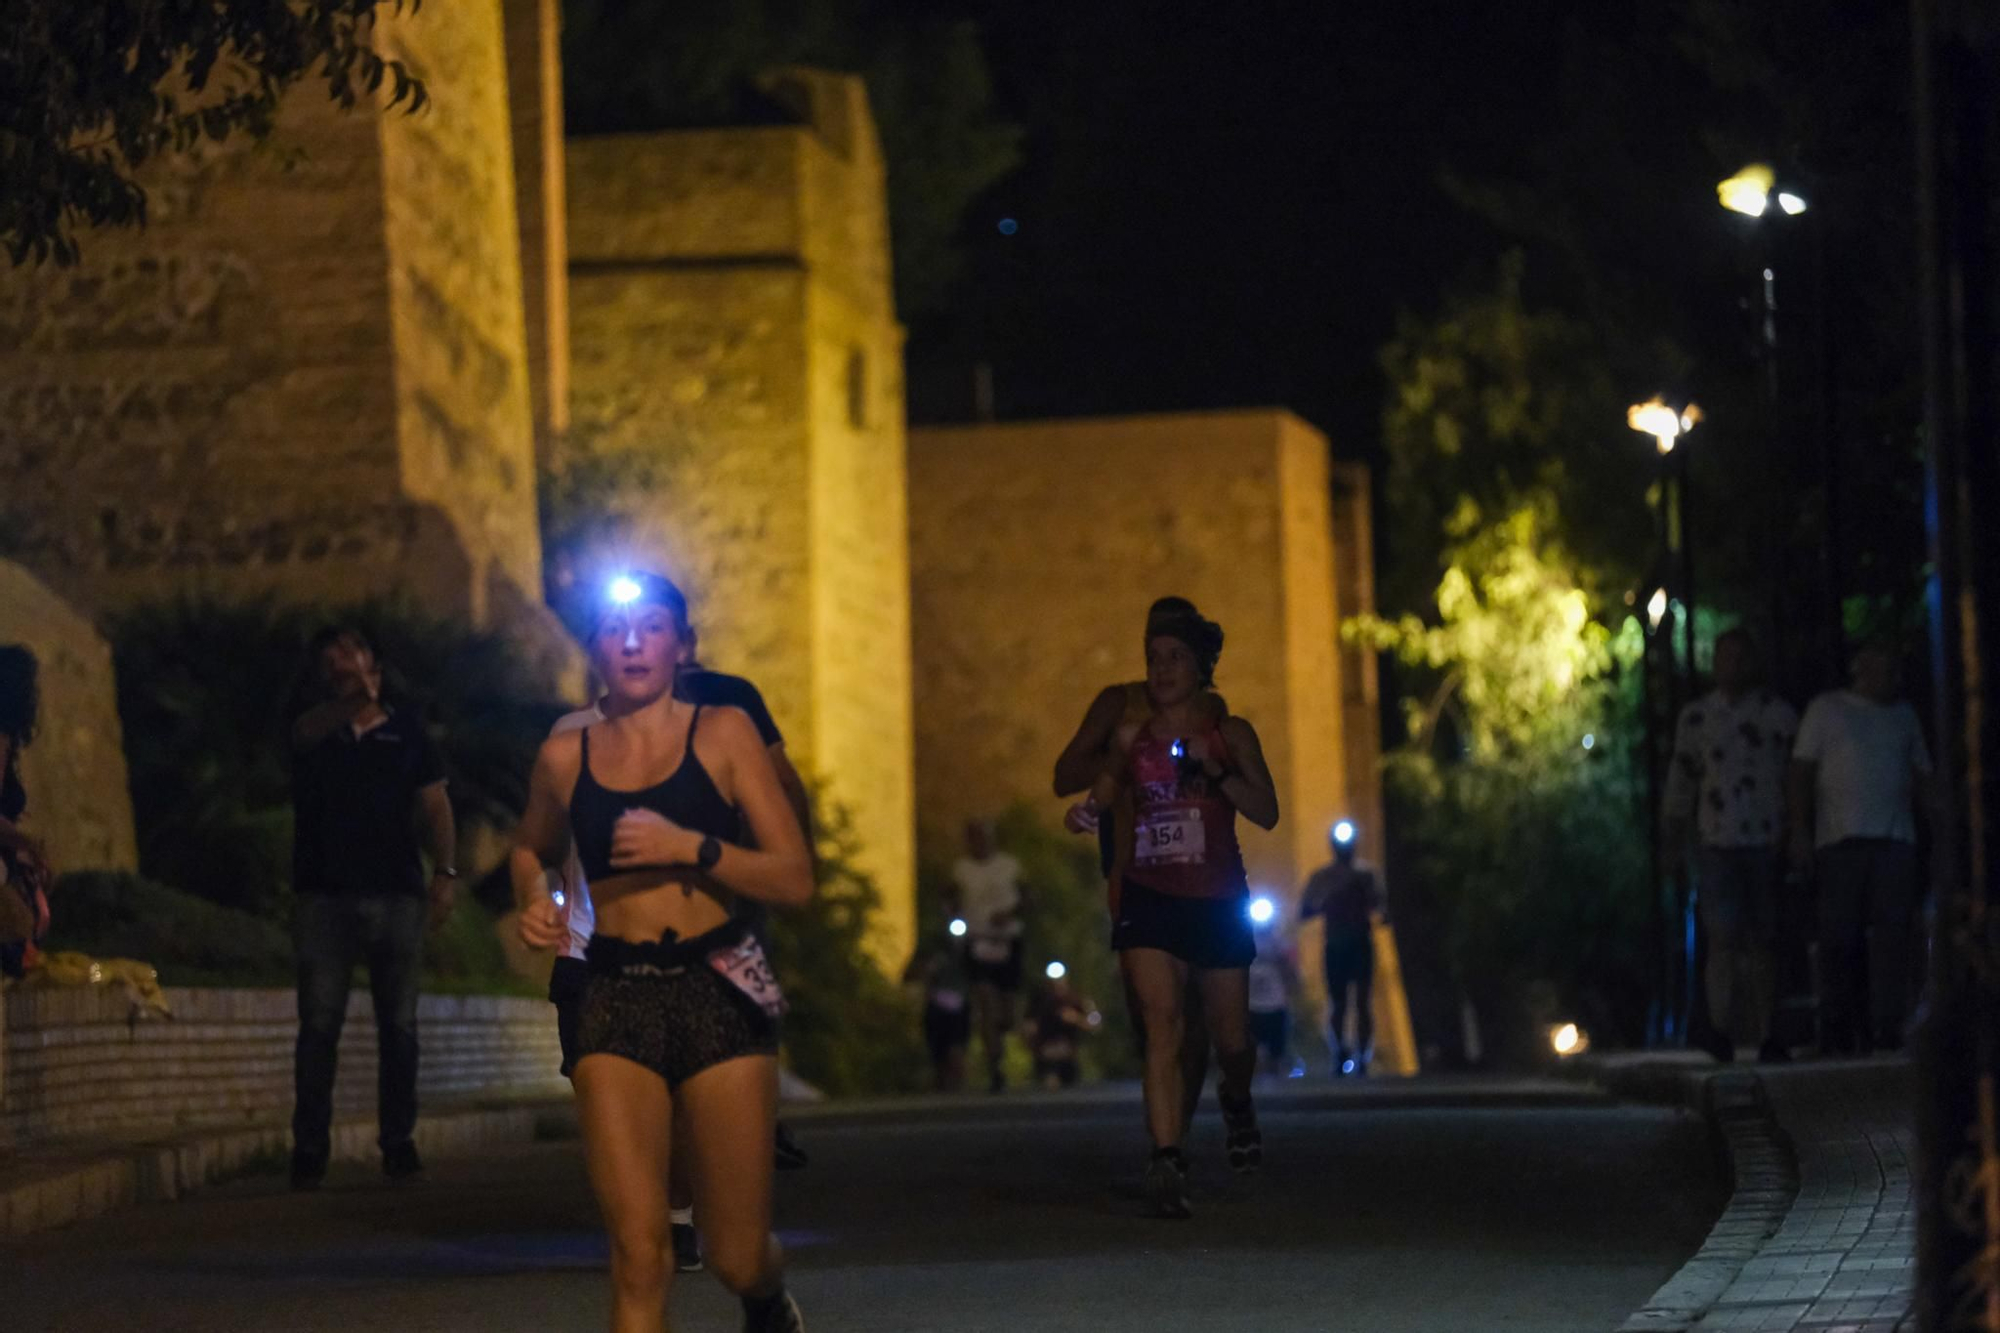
91, 90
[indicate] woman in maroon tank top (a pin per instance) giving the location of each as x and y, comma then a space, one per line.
1182, 912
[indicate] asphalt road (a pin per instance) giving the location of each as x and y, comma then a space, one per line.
1450, 1207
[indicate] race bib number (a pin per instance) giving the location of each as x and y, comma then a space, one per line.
1175, 838
745, 967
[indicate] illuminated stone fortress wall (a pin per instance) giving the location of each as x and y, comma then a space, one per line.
306, 377
731, 317
1036, 549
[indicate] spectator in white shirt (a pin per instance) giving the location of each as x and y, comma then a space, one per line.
1860, 771
1726, 786
987, 896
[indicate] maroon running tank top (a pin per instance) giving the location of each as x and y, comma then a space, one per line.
1183, 830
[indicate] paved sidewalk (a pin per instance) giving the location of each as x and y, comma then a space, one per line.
1844, 1261
1820, 1234
55, 1185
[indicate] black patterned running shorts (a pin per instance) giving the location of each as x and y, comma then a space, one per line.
676, 1020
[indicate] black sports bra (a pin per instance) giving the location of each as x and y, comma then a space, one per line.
688, 797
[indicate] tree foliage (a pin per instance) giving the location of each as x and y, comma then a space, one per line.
849, 1029
1497, 404
1519, 836
633, 65
1514, 648
1064, 921
91, 90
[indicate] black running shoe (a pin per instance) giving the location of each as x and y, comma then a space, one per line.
1246, 1141
790, 1156
778, 1315
687, 1248
400, 1162
1166, 1185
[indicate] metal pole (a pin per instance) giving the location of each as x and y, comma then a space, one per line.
1689, 938
1659, 1026
1957, 77
1829, 448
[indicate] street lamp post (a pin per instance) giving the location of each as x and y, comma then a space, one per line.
1755, 193
1667, 426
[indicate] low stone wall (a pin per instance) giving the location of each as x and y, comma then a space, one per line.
76, 1064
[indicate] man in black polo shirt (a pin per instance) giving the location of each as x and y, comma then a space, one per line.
365, 776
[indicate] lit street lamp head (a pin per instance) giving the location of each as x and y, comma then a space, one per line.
1663, 423
1749, 191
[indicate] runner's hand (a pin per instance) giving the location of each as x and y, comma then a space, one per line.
1081, 818
649, 838
443, 897
541, 925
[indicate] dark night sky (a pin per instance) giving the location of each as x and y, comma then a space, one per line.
1220, 212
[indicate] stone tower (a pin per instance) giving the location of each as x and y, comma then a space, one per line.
731, 320
307, 377
1038, 547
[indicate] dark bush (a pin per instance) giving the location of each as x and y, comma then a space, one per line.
850, 1029
190, 941
1066, 921
206, 691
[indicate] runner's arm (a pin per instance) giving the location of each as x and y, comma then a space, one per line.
321, 720
1082, 759
541, 840
1250, 786
779, 869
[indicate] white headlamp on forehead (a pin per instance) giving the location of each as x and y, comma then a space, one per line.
622, 590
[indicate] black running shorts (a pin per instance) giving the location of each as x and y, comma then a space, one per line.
668, 1010
1212, 933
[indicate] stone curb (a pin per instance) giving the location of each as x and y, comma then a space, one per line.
1763, 1171
58, 1191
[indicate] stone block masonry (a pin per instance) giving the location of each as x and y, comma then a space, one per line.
77, 1065
1037, 548
306, 377
731, 321
79, 795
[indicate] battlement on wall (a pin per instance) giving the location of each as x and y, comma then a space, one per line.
732, 321
808, 195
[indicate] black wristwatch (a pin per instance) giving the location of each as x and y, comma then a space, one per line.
709, 852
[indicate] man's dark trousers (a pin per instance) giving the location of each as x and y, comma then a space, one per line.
333, 933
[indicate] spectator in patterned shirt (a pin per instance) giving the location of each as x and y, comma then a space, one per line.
1726, 787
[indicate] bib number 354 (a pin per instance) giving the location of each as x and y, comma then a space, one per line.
1171, 840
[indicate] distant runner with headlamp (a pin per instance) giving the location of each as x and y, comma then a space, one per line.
679, 1008
1182, 912
1347, 895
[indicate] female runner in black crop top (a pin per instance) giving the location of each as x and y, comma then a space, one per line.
671, 1014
